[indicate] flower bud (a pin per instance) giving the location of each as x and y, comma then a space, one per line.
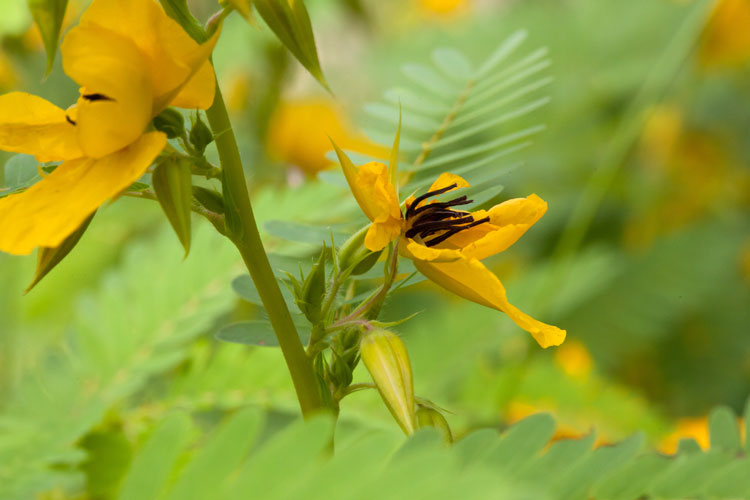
313, 289
430, 417
200, 135
170, 122
355, 256
384, 355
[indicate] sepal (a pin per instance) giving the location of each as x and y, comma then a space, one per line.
47, 258
173, 184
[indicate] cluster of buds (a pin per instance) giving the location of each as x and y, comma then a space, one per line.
342, 335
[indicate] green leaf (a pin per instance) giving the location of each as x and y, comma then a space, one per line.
179, 11
723, 430
48, 258
244, 287
151, 467
109, 455
48, 16
20, 171
255, 332
290, 22
173, 184
218, 459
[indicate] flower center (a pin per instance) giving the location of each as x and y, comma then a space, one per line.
438, 218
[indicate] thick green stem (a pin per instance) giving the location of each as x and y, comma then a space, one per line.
248, 242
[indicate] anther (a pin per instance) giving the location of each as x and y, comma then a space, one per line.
429, 194
448, 234
96, 97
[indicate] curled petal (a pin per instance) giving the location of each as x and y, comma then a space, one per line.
418, 252
46, 213
32, 125
518, 211
468, 278
381, 233
508, 222
116, 99
446, 179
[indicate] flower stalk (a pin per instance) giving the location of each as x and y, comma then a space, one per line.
247, 240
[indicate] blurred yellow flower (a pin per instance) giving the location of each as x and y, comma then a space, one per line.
8, 77
131, 61
690, 172
726, 39
574, 359
448, 245
518, 410
299, 132
444, 8
695, 428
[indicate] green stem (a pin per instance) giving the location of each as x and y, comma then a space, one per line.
248, 242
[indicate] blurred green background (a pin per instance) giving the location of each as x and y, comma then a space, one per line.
643, 256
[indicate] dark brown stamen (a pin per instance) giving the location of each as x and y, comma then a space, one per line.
448, 234
432, 226
96, 97
70, 120
429, 194
461, 200
438, 217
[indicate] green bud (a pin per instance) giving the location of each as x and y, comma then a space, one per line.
47, 258
209, 198
341, 373
385, 357
313, 289
173, 184
170, 122
430, 417
354, 256
200, 135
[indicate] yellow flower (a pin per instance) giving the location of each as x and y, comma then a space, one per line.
447, 245
299, 129
446, 8
574, 359
131, 61
726, 39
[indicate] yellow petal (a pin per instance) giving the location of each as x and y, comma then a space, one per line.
468, 278
417, 251
199, 91
518, 211
31, 125
46, 213
194, 58
381, 233
171, 54
379, 195
116, 101
372, 188
446, 179
508, 222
